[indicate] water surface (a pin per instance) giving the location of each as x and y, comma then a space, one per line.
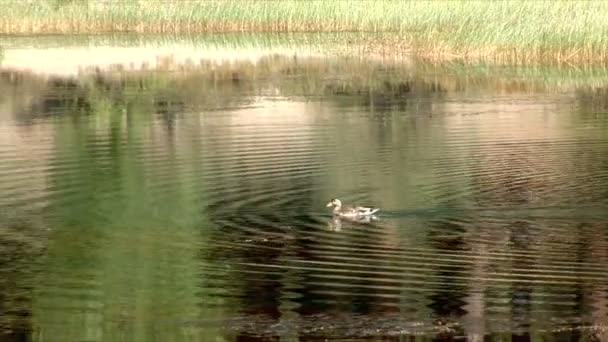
189, 205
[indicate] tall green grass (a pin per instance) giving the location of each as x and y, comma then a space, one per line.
517, 30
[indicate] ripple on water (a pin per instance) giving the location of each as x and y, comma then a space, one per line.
491, 223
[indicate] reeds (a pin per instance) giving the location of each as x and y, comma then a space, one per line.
511, 32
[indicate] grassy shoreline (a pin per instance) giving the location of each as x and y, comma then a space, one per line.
510, 32
271, 57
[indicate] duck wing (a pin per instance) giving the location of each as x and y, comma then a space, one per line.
366, 210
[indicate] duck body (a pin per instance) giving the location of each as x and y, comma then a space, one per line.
348, 212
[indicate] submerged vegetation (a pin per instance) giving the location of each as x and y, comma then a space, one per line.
507, 31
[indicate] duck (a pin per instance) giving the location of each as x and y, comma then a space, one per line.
356, 212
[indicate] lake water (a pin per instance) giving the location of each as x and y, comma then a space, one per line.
188, 203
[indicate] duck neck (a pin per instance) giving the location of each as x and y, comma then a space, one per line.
337, 209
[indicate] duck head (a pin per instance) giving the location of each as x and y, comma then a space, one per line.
334, 203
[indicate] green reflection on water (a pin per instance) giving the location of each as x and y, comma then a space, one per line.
126, 255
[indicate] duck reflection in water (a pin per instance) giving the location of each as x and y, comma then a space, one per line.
336, 222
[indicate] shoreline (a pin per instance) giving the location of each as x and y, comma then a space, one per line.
367, 46
512, 32
392, 47
247, 64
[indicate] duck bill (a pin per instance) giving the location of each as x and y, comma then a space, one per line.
329, 204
